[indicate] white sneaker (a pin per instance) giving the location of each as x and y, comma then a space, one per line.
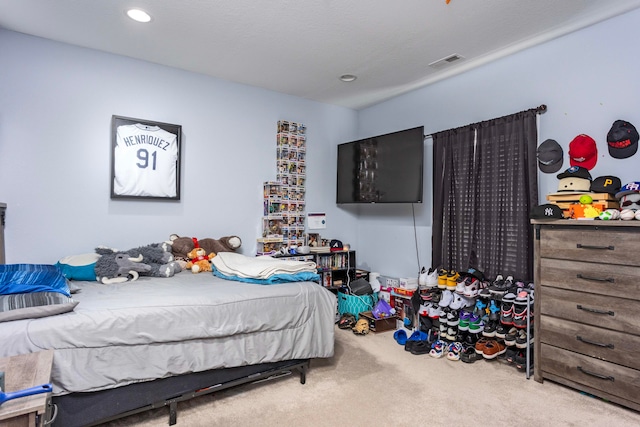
446, 298
422, 277
432, 279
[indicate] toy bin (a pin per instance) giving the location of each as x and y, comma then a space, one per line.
355, 304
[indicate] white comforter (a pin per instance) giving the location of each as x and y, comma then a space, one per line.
262, 267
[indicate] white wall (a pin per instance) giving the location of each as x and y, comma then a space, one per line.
587, 79
56, 103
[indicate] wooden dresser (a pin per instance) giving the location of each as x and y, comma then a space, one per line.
587, 307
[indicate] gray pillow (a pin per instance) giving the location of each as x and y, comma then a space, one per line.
33, 305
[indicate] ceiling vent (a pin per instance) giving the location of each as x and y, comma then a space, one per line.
443, 62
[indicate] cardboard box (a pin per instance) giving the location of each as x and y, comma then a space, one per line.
379, 325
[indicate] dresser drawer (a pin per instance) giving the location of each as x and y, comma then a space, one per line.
614, 313
604, 279
612, 346
594, 244
595, 374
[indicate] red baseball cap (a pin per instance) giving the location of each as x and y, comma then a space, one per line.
583, 152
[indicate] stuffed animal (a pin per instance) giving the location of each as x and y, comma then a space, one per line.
181, 246
114, 266
199, 260
159, 257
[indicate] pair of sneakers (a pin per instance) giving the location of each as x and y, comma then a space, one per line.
428, 279
439, 348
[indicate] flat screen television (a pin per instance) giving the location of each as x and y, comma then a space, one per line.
382, 169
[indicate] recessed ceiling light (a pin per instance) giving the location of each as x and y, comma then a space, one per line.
348, 77
138, 15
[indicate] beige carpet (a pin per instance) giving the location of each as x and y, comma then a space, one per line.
372, 382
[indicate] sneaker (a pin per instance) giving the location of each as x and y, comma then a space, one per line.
422, 277
521, 358
524, 297
453, 318
471, 289
442, 279
446, 298
471, 339
520, 316
500, 286
452, 280
522, 339
490, 329
502, 330
510, 337
457, 302
434, 311
480, 307
468, 354
494, 311
493, 349
437, 349
463, 321
484, 291
506, 314
463, 281
510, 354
452, 333
453, 351
476, 325
432, 279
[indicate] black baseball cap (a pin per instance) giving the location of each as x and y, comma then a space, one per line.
606, 184
547, 211
550, 156
575, 172
622, 140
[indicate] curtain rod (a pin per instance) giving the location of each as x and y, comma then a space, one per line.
538, 110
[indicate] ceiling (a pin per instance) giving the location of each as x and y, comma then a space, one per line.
302, 47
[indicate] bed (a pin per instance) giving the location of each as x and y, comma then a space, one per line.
132, 346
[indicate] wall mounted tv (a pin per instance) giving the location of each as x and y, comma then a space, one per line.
382, 169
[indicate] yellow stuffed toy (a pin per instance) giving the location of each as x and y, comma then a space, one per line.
199, 260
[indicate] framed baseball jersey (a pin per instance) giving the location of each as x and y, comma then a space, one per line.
145, 160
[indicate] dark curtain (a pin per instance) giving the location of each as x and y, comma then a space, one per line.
485, 182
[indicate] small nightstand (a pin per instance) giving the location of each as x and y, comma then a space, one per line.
21, 372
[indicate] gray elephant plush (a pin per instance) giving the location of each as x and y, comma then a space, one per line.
159, 257
115, 266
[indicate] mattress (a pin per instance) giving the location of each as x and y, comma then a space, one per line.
152, 328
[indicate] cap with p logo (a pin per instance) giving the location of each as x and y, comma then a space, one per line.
606, 184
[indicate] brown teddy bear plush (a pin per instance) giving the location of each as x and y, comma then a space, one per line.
199, 260
181, 246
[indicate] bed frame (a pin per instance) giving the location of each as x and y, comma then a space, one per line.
90, 409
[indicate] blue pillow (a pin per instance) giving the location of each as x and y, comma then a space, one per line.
26, 278
79, 267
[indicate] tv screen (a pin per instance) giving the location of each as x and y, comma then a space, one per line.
382, 169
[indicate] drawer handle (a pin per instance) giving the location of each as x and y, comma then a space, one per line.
579, 338
594, 310
581, 246
593, 374
596, 279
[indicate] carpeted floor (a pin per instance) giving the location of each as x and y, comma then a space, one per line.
371, 381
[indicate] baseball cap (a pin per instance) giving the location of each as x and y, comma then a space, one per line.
547, 211
606, 184
622, 140
631, 187
575, 172
550, 156
335, 245
583, 151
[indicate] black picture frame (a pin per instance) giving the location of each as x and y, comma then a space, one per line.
145, 159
